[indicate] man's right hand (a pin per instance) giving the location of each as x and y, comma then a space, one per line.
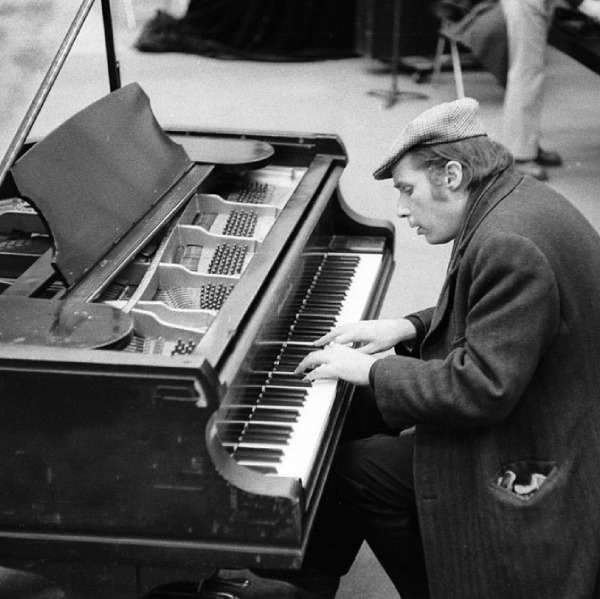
373, 336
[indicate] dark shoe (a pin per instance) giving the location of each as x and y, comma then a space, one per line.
307, 582
532, 168
548, 158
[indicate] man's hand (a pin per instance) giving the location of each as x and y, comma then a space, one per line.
591, 8
374, 336
337, 362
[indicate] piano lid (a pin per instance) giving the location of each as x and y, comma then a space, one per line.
97, 174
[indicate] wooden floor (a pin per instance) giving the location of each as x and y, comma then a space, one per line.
333, 97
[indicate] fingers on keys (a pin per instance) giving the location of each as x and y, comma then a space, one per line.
311, 361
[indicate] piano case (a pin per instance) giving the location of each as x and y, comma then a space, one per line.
157, 289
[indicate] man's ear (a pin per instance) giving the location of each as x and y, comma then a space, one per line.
453, 175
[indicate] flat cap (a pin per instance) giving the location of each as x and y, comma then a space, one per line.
450, 121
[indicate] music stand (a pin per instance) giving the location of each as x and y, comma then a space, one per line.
393, 95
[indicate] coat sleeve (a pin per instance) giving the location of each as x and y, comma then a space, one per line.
509, 315
422, 321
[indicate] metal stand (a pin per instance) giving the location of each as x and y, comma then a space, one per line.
393, 95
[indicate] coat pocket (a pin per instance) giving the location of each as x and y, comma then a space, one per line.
525, 480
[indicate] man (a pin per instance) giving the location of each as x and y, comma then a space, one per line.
496, 390
528, 23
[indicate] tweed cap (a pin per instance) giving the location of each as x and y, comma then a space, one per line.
450, 121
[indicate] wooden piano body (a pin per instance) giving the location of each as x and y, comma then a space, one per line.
171, 449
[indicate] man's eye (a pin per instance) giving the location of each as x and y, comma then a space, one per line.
406, 190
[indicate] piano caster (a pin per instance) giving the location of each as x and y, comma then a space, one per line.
214, 587
218, 587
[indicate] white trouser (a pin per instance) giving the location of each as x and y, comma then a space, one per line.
528, 22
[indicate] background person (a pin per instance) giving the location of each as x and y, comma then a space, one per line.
510, 38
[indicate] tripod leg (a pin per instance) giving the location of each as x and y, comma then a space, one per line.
394, 94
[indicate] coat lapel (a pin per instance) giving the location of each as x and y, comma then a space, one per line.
476, 212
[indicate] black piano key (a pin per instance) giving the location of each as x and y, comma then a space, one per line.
278, 394
331, 286
230, 437
338, 271
329, 289
238, 414
337, 276
288, 366
273, 399
325, 299
283, 382
269, 439
342, 258
286, 391
329, 309
264, 469
244, 401
287, 380
312, 327
283, 401
325, 319
245, 395
293, 349
276, 429
293, 359
266, 355
243, 432
337, 266
275, 415
258, 454
266, 414
252, 438
301, 337
256, 378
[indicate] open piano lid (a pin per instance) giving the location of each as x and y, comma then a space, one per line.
96, 175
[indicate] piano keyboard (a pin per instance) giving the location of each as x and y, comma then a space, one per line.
275, 420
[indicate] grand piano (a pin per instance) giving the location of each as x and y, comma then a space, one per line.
157, 289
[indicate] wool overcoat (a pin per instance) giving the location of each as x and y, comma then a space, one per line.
506, 377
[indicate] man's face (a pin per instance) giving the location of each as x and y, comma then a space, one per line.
435, 210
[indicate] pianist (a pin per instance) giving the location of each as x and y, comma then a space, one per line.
492, 489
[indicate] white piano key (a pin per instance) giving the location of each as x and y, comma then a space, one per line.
300, 453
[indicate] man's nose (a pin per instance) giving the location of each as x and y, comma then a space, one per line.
402, 210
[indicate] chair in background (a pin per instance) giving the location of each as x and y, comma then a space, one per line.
479, 33
440, 59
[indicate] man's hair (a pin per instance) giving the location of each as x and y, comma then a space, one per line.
481, 159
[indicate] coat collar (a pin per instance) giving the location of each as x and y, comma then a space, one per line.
479, 206
476, 210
